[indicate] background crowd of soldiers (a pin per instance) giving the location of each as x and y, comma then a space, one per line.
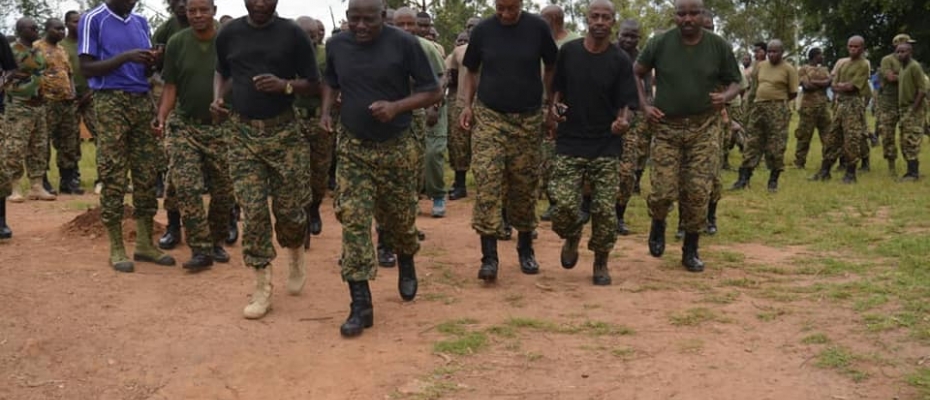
533, 110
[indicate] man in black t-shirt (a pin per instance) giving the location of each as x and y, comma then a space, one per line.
265, 60
594, 91
371, 66
7, 67
506, 50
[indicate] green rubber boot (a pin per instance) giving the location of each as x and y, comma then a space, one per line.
145, 250
118, 259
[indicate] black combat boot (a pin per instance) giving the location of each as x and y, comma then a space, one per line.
773, 180
657, 238
506, 232
406, 277
386, 256
315, 222
489, 260
68, 182
850, 176
5, 232
637, 189
743, 181
459, 190
362, 314
601, 273
712, 218
866, 165
689, 253
525, 253
198, 262
913, 171
824, 173
232, 236
622, 228
172, 236
680, 232
219, 254
569, 255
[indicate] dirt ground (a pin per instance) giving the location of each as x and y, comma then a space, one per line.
72, 328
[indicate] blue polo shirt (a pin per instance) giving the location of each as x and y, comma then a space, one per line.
102, 34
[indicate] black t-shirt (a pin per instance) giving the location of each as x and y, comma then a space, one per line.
279, 48
508, 57
7, 61
595, 87
381, 69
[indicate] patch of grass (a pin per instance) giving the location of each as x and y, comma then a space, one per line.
840, 359
870, 302
465, 344
534, 324
455, 327
744, 283
440, 297
532, 357
720, 298
695, 317
624, 353
920, 380
590, 327
771, 315
600, 328
777, 294
817, 338
504, 331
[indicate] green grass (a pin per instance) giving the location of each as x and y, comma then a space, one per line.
920, 380
817, 338
695, 316
466, 344
840, 359
589, 327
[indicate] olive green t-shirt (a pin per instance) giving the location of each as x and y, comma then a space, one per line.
311, 103
857, 73
910, 82
435, 58
190, 64
889, 90
776, 82
168, 29
687, 75
80, 82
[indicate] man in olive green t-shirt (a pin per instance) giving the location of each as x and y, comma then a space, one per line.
887, 117
776, 84
195, 143
851, 86
691, 66
912, 90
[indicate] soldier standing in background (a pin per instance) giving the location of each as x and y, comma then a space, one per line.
7, 68
815, 106
912, 91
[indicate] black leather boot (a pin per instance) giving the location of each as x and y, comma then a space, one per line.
233, 235
406, 277
824, 173
172, 236
528, 264
743, 181
866, 165
361, 314
657, 238
622, 229
386, 257
913, 171
315, 222
48, 185
506, 232
569, 255
689, 253
5, 232
489, 260
68, 182
850, 176
773, 181
601, 273
458, 187
198, 262
712, 218
219, 254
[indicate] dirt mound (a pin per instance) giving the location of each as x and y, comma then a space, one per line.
90, 225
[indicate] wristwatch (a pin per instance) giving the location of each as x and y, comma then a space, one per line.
288, 89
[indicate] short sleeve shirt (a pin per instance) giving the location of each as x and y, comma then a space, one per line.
857, 73
810, 73
889, 89
910, 82
80, 83
56, 80
102, 35
189, 65
454, 62
30, 61
776, 82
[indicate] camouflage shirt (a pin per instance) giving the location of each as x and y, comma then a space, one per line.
809, 73
56, 81
31, 62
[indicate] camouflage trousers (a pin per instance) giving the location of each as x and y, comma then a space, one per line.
685, 160
724, 134
815, 116
376, 180
731, 138
569, 174
86, 114
643, 146
847, 133
126, 144
505, 150
912, 131
628, 165
197, 151
546, 164
25, 139
886, 125
459, 142
434, 163
321, 155
64, 132
269, 161
769, 135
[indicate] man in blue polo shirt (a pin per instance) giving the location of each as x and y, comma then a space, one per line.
116, 56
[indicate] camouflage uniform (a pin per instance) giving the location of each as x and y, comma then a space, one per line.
436, 141
569, 174
376, 180
912, 130
321, 151
887, 117
769, 125
628, 160
24, 120
505, 149
813, 113
459, 141
61, 110
198, 152
847, 132
125, 144
270, 158
688, 180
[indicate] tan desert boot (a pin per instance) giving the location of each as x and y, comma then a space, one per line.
17, 195
260, 304
37, 192
297, 276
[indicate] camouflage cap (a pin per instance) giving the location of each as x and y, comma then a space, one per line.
902, 38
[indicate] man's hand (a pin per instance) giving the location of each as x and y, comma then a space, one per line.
218, 109
718, 100
326, 123
383, 111
890, 76
619, 126
268, 83
653, 114
465, 119
158, 127
140, 56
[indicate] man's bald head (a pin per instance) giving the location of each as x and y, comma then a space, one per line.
554, 15
855, 46
406, 11
366, 4
308, 25
699, 3
609, 5
629, 24
365, 18
27, 29
775, 51
406, 18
